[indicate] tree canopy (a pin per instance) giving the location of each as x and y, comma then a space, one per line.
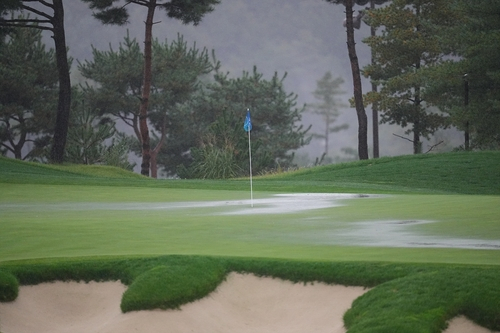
219, 111
467, 86
28, 92
188, 11
408, 44
49, 15
118, 78
327, 91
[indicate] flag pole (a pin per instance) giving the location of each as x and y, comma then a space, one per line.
247, 126
250, 154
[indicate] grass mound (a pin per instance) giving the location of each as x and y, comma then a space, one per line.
457, 172
170, 286
423, 302
9, 287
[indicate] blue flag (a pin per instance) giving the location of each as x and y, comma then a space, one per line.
248, 123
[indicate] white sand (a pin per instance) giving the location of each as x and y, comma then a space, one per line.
243, 303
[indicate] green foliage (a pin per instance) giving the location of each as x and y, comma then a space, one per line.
474, 40
224, 152
176, 69
408, 44
220, 110
28, 91
188, 11
170, 286
9, 287
92, 139
86, 136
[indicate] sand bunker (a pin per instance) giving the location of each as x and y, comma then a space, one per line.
243, 303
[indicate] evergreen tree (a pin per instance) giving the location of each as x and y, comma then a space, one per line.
467, 86
49, 16
408, 45
119, 74
93, 139
327, 90
218, 112
188, 11
28, 91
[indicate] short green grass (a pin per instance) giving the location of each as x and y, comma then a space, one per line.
47, 234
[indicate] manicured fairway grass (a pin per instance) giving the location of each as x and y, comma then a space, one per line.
40, 221
73, 222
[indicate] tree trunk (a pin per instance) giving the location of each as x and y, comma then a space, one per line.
64, 103
417, 145
466, 104
358, 92
374, 104
146, 90
156, 150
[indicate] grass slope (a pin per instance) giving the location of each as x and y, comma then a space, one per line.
460, 173
463, 172
406, 297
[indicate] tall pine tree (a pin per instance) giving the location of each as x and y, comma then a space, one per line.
408, 45
49, 16
327, 90
28, 92
116, 12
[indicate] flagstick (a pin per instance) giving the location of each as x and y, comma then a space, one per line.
250, 153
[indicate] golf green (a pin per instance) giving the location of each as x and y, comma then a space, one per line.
39, 221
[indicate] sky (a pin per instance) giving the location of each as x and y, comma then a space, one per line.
303, 39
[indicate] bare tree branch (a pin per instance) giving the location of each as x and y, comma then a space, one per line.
402, 137
434, 146
22, 25
37, 12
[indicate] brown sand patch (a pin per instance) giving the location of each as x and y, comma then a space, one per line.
243, 303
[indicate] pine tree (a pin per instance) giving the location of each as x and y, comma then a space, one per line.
28, 91
119, 74
49, 17
407, 46
188, 11
218, 112
327, 90
467, 86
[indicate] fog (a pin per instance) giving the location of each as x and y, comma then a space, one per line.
304, 39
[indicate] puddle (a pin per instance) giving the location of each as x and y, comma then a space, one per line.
316, 230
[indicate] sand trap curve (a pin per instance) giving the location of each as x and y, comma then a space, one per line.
243, 303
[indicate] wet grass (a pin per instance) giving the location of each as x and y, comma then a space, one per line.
413, 290
459, 173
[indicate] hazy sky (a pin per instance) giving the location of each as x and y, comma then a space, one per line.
302, 38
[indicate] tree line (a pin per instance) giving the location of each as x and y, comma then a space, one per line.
434, 65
